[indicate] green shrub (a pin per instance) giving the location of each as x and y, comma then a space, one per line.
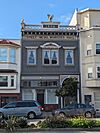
12, 122
63, 122
97, 123
82, 122
54, 122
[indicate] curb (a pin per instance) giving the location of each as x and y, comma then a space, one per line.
27, 130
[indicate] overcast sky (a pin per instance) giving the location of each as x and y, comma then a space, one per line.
35, 11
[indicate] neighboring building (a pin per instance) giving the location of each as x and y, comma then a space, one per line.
88, 22
50, 54
10, 56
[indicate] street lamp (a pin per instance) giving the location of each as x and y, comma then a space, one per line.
78, 86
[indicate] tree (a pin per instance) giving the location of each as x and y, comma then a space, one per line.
68, 89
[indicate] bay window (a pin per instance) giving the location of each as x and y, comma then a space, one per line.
7, 54
3, 54
12, 55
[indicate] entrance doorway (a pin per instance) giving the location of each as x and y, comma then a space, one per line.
40, 96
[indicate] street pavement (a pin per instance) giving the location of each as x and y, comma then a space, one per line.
62, 132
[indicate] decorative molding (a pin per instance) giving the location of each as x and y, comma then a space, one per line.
69, 47
50, 45
39, 77
30, 47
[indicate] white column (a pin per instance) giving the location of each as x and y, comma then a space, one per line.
78, 95
46, 96
61, 102
34, 94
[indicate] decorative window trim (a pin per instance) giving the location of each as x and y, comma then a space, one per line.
69, 64
50, 45
34, 50
50, 57
30, 47
69, 48
9, 81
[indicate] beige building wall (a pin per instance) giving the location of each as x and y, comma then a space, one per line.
88, 22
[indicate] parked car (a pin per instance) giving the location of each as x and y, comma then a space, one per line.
76, 110
29, 109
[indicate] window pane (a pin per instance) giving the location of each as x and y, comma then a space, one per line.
89, 75
46, 57
98, 68
98, 75
12, 55
3, 81
3, 54
12, 81
97, 48
88, 52
31, 57
54, 57
69, 56
51, 98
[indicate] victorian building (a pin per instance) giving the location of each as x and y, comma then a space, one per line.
88, 22
50, 54
10, 51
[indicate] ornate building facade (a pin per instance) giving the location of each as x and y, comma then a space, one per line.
50, 54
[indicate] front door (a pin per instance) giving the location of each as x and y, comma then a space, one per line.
40, 96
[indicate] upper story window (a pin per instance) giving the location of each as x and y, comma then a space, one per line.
97, 48
3, 54
50, 57
69, 57
98, 72
7, 81
12, 55
7, 55
31, 57
89, 49
90, 72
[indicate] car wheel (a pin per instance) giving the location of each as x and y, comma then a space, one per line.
62, 114
88, 115
1, 115
31, 115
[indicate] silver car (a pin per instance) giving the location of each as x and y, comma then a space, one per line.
76, 110
29, 109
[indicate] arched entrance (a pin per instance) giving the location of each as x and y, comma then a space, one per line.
69, 87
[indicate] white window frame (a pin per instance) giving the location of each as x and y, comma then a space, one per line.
14, 56
89, 50
96, 48
8, 54
90, 71
50, 59
56, 98
28, 50
97, 72
72, 57
9, 81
